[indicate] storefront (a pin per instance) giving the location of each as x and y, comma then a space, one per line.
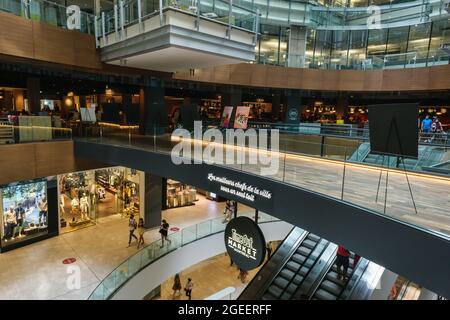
87, 196
29, 212
179, 195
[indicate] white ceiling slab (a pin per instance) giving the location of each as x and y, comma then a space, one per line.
175, 59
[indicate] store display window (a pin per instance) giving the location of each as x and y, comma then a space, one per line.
88, 196
25, 211
179, 194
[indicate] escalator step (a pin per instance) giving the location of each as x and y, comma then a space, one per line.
292, 288
298, 279
303, 251
324, 295
287, 274
281, 282
331, 287
309, 244
303, 271
313, 237
308, 263
333, 276
293, 266
268, 296
298, 258
275, 291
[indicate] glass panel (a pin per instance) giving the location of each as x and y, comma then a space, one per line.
284, 38
323, 49
310, 39
269, 44
188, 235
440, 36
419, 37
339, 49
357, 49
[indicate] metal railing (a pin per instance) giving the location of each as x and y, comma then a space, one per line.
48, 12
127, 13
154, 251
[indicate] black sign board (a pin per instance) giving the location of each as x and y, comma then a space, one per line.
394, 129
239, 190
245, 243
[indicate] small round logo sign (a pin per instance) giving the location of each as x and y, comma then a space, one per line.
245, 243
293, 114
69, 260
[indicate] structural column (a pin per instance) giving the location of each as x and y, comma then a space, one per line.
342, 106
34, 94
153, 109
152, 200
297, 46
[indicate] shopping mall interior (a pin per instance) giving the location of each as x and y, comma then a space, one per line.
135, 136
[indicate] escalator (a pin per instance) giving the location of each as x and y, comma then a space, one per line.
303, 268
288, 269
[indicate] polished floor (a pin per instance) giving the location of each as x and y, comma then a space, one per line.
355, 183
37, 272
209, 277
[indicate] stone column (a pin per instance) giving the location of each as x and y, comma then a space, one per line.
152, 200
34, 94
156, 113
297, 46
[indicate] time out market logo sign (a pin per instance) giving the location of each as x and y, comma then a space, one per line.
245, 243
229, 146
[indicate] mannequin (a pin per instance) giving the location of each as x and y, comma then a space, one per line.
84, 206
75, 207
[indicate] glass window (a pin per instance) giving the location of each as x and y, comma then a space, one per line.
269, 47
323, 49
25, 211
397, 40
310, 39
357, 49
440, 35
284, 38
376, 44
419, 38
339, 49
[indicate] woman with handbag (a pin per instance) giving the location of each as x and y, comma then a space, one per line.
164, 230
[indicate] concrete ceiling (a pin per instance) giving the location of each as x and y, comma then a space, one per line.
175, 59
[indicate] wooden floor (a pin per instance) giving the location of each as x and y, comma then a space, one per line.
431, 193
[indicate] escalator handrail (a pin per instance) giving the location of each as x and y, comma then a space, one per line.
327, 267
361, 265
264, 277
312, 266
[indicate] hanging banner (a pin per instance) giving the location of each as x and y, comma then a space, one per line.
241, 118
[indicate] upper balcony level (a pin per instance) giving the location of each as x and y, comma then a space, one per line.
176, 35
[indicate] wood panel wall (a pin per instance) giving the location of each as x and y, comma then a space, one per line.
40, 41
256, 75
19, 162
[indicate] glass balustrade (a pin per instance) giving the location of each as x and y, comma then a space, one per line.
155, 250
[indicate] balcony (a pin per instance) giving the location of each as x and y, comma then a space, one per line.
176, 36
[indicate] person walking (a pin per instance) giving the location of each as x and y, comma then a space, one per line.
426, 127
342, 261
188, 288
242, 275
176, 285
164, 230
131, 227
269, 250
228, 211
141, 231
